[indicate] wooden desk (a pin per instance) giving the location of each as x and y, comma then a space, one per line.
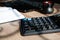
17, 36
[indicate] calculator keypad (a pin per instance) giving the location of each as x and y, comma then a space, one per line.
39, 25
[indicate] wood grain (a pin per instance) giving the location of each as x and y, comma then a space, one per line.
17, 36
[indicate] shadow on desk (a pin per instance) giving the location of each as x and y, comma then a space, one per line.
9, 34
43, 37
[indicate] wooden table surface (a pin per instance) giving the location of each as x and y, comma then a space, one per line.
17, 36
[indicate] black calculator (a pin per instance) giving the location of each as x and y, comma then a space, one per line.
40, 25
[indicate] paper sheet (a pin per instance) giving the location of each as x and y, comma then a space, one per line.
8, 14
